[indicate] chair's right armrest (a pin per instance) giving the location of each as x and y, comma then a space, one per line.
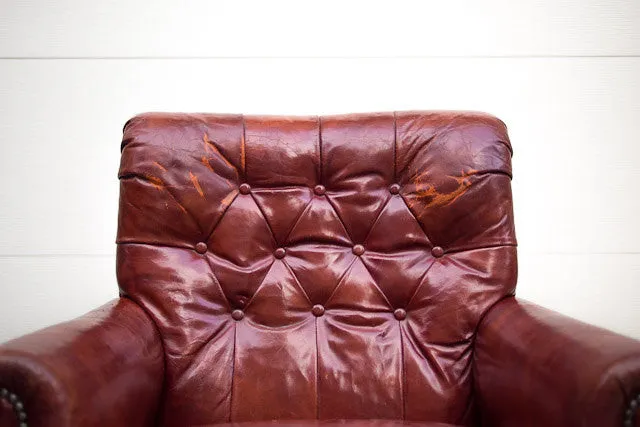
535, 367
105, 368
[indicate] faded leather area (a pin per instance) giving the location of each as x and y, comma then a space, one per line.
232, 228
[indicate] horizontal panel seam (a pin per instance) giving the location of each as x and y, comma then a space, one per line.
521, 252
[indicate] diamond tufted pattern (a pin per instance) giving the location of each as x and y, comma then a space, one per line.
316, 267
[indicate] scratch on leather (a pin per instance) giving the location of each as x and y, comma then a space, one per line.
155, 181
227, 200
437, 199
210, 147
205, 161
160, 186
162, 168
196, 184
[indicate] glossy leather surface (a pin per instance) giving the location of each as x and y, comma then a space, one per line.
535, 367
279, 269
232, 229
103, 369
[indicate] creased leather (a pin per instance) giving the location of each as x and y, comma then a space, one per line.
206, 202
103, 369
535, 367
350, 270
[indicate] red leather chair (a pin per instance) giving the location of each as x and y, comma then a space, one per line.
306, 269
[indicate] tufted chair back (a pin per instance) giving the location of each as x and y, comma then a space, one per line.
316, 267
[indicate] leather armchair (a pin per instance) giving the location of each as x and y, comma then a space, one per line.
351, 270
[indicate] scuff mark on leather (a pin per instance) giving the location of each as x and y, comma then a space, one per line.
205, 162
196, 184
437, 199
227, 200
160, 166
209, 146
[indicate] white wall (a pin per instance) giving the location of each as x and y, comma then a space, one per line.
564, 76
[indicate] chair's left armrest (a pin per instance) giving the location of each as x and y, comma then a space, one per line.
105, 368
536, 367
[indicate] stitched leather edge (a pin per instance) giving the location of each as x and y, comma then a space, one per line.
631, 411
16, 404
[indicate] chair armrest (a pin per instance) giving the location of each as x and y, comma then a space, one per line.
105, 368
536, 367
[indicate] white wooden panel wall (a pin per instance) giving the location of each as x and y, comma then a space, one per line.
564, 76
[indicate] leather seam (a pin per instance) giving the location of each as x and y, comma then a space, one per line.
243, 150
259, 287
420, 283
320, 150
340, 280
384, 207
403, 382
297, 282
416, 219
295, 223
162, 346
317, 373
339, 218
224, 212
233, 369
486, 313
215, 279
395, 148
376, 286
480, 247
266, 221
164, 245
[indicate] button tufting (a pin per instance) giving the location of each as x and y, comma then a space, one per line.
201, 247
319, 190
237, 314
358, 250
245, 188
437, 251
400, 314
280, 253
317, 310
394, 189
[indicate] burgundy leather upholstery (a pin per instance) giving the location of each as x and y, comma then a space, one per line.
583, 372
281, 208
305, 268
103, 369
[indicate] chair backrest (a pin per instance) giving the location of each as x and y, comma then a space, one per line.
316, 267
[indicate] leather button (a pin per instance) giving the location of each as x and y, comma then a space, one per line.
358, 250
280, 253
319, 190
394, 189
237, 314
400, 314
317, 310
201, 247
437, 251
245, 188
